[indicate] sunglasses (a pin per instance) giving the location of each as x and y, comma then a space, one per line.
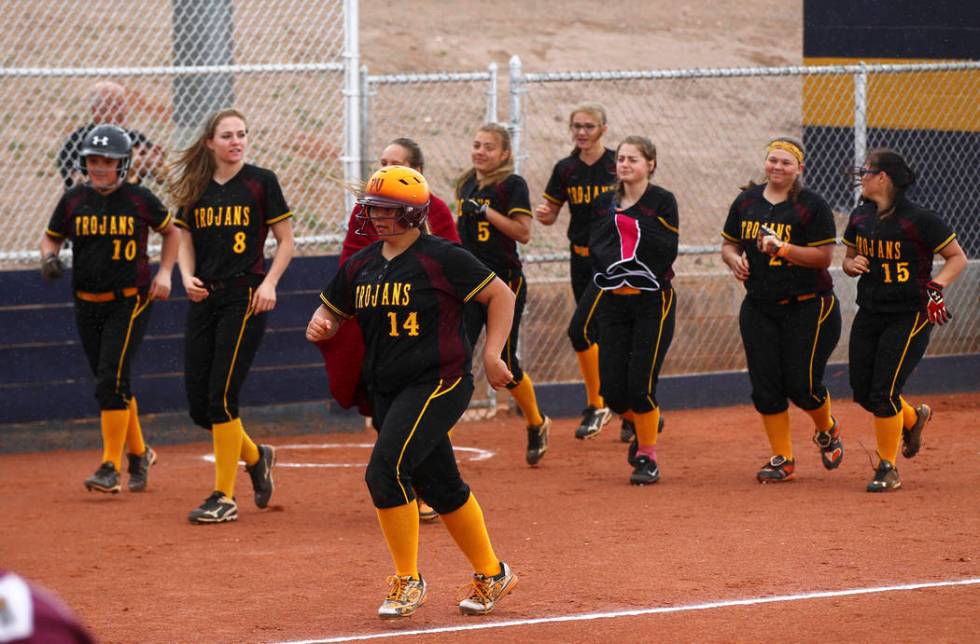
588, 127
863, 172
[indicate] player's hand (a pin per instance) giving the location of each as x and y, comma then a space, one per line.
195, 289
544, 213
740, 268
857, 265
472, 207
498, 375
768, 241
52, 267
264, 298
936, 304
160, 287
319, 329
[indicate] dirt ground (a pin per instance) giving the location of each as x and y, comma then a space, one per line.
579, 536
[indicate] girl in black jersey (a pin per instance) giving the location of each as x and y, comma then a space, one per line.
226, 209
579, 179
494, 212
633, 245
407, 293
108, 221
890, 243
779, 241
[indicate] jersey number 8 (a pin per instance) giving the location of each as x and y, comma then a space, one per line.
239, 246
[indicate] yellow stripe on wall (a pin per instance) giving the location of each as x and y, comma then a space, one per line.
909, 101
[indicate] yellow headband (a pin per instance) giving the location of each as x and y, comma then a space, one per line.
787, 146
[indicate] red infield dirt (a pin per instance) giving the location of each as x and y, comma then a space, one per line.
582, 540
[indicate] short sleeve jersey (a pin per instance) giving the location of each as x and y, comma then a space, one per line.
899, 249
108, 234
807, 221
637, 246
230, 222
574, 181
495, 249
410, 310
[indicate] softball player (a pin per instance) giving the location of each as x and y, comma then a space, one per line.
633, 245
108, 222
579, 179
890, 246
407, 292
347, 347
226, 209
779, 241
494, 213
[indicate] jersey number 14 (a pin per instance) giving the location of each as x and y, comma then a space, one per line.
411, 324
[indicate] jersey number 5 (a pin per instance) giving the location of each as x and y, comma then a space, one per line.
411, 324
129, 251
483, 230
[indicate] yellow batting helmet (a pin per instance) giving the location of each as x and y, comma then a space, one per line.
396, 186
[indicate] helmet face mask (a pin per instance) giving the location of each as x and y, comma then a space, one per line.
399, 188
110, 141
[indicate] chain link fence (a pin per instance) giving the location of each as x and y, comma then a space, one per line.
711, 127
177, 61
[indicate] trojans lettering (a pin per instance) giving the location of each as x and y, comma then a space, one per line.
881, 248
750, 229
222, 216
584, 194
117, 225
382, 294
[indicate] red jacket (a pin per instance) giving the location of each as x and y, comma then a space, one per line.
346, 348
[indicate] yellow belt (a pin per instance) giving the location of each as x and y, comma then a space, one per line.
797, 298
626, 290
108, 296
581, 251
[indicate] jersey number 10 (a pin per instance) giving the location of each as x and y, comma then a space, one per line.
129, 251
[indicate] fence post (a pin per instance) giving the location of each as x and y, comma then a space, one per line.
352, 102
492, 94
516, 113
365, 123
860, 121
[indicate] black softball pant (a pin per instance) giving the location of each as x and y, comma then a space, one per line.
883, 351
635, 332
583, 330
787, 347
475, 318
580, 269
222, 338
110, 333
413, 448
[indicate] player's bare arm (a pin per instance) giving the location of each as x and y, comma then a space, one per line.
734, 258
546, 212
955, 262
160, 287
323, 325
517, 228
185, 259
499, 301
854, 264
265, 295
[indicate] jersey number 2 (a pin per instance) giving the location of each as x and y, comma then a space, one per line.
411, 324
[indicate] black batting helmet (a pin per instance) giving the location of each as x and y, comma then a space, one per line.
107, 141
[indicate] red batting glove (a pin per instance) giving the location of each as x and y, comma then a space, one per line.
936, 305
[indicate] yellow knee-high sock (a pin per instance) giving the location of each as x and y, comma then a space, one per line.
777, 429
646, 427
469, 531
821, 416
630, 416
114, 423
908, 414
400, 526
227, 448
250, 451
134, 431
889, 434
523, 393
588, 364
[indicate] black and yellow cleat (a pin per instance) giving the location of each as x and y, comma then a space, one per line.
217, 508
886, 478
912, 437
105, 479
139, 469
537, 441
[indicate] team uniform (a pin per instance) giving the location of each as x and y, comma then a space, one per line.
891, 330
499, 252
31, 614
580, 184
633, 252
417, 368
110, 279
228, 225
790, 319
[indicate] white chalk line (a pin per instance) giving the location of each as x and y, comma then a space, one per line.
473, 454
582, 617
